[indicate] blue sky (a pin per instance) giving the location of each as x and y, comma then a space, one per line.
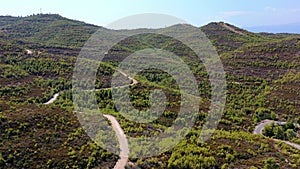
197, 12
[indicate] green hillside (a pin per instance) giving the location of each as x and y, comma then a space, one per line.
46, 29
37, 58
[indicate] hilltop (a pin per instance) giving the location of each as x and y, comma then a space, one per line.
46, 29
227, 37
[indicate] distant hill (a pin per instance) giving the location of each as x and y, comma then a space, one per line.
227, 37
285, 28
53, 30
46, 29
6, 20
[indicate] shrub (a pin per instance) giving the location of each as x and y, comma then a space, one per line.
270, 163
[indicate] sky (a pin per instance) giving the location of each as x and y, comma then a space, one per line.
241, 13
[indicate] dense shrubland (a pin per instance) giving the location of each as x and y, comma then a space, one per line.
262, 73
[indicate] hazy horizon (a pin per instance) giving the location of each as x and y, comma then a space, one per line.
284, 28
244, 14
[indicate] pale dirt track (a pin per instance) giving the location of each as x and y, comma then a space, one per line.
123, 142
260, 127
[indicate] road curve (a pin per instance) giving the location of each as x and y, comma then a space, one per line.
124, 149
260, 127
52, 99
123, 142
134, 82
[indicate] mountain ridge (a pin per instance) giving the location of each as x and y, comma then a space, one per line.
46, 29
56, 31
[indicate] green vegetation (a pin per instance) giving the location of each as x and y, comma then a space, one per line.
262, 73
46, 29
287, 131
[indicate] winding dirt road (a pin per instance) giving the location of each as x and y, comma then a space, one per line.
123, 142
134, 82
124, 149
232, 29
260, 127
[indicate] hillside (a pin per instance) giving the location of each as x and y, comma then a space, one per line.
46, 29
37, 57
226, 37
269, 60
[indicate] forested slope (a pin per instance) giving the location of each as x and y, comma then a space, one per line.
262, 73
